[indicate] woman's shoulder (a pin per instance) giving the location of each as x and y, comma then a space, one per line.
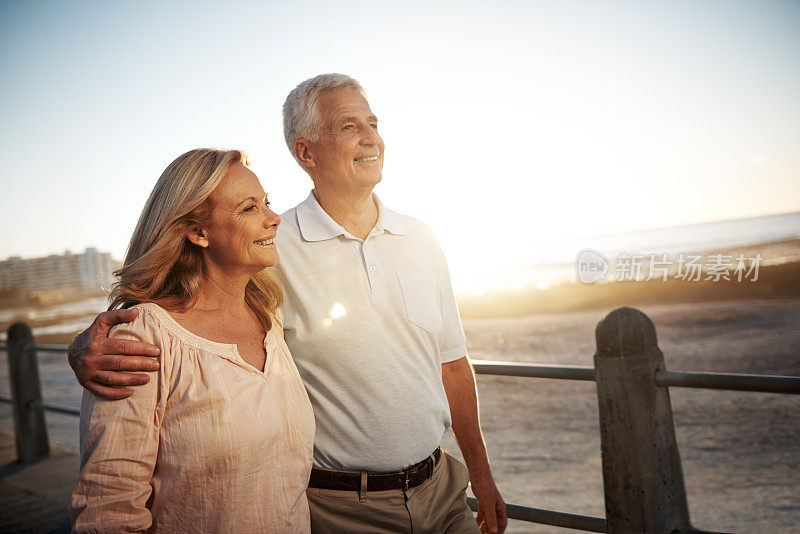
148, 324
275, 332
276, 321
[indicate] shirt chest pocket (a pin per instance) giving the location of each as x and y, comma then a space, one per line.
421, 299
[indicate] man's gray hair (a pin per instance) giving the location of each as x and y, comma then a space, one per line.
301, 116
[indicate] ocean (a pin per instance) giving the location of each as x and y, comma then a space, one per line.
770, 236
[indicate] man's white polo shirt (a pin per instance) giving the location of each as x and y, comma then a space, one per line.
369, 324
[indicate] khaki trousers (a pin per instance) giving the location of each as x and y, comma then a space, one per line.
436, 506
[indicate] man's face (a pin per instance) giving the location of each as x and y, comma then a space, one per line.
349, 152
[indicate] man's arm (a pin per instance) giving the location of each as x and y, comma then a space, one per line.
459, 384
99, 363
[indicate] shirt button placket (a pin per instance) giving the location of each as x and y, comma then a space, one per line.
370, 266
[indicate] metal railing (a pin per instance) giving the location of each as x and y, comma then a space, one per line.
632, 391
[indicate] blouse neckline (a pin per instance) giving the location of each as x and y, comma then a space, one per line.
226, 350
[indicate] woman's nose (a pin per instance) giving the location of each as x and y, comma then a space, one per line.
271, 219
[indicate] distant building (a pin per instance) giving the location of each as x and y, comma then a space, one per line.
89, 271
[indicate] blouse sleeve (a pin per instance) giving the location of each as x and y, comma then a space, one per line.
119, 446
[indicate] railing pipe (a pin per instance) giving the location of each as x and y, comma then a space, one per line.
52, 348
23, 372
642, 475
42, 348
739, 382
56, 408
562, 372
549, 517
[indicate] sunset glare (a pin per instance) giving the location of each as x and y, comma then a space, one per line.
511, 127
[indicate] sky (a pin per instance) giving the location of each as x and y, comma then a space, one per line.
508, 125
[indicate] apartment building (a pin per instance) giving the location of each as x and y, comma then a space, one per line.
88, 271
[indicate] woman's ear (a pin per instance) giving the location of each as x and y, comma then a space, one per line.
198, 236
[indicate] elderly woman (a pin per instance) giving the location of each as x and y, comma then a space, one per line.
220, 439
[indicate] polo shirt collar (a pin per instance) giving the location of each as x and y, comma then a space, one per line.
387, 219
316, 225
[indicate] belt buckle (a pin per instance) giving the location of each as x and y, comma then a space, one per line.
405, 474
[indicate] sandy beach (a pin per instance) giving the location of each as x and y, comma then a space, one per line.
740, 451
778, 276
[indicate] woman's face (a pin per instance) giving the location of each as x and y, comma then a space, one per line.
242, 227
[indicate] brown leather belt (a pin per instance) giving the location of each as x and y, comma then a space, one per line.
351, 480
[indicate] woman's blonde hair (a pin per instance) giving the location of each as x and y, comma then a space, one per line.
161, 264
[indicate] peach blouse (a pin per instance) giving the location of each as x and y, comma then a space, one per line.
209, 444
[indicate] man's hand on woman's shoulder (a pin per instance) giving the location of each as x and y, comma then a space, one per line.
101, 364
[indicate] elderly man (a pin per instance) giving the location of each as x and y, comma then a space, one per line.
371, 321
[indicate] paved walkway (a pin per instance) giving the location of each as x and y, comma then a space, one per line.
35, 498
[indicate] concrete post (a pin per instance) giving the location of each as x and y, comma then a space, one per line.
642, 476
23, 372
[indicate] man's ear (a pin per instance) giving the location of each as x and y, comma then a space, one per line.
302, 151
198, 236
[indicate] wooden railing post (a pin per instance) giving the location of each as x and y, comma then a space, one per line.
642, 476
23, 372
